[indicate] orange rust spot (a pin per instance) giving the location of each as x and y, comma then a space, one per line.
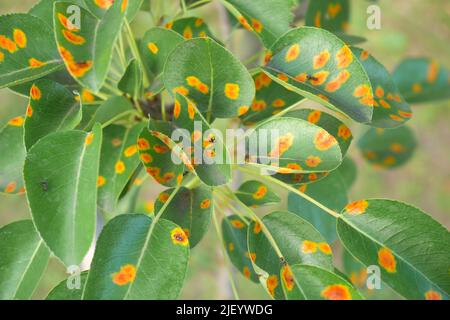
379, 92
163, 197
432, 72
130, 151
357, 207
100, 181
35, 92
308, 246
283, 77
334, 9
288, 278
243, 110
246, 272
302, 77
314, 116
321, 59
257, 25
405, 114
325, 247
29, 111
143, 144
278, 103
323, 140
205, 204
317, 19
179, 237
7, 44
181, 90
387, 260
11, 187
232, 91
126, 275
153, 47
282, 145
258, 105
237, 223
417, 88
384, 104
267, 57
257, 228
73, 38
261, 192
187, 33
104, 4
292, 53
364, 55
313, 161
198, 22
66, 23
336, 292
160, 149
89, 138
245, 23
344, 57
361, 91
272, 284
397, 147
319, 78
344, 132
191, 111
20, 38
432, 295
231, 247
120, 167
124, 5
169, 25
251, 256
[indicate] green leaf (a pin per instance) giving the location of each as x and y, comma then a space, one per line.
410, 248
270, 99
314, 283
155, 47
318, 65
131, 82
87, 51
11, 162
100, 8
23, 260
300, 146
62, 292
332, 15
119, 159
390, 109
422, 80
190, 209
51, 108
255, 194
136, 259
269, 19
234, 232
210, 76
331, 191
298, 242
27, 50
191, 27
156, 154
348, 171
60, 175
388, 148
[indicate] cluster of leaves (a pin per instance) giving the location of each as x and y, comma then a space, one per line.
102, 109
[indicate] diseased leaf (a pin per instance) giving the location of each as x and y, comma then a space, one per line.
138, 260
191, 27
27, 50
100, 8
314, 283
63, 292
270, 99
318, 65
332, 15
51, 108
390, 109
234, 232
211, 77
410, 248
190, 209
60, 175
254, 194
119, 159
87, 51
13, 158
44, 10
422, 80
23, 260
131, 82
388, 148
298, 242
269, 19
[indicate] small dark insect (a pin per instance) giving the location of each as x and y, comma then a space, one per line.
283, 261
44, 186
308, 77
212, 139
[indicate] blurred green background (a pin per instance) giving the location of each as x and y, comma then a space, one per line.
413, 28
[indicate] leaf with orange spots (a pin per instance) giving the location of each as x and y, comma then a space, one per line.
60, 175
390, 148
409, 247
13, 157
23, 260
156, 155
289, 233
191, 209
255, 194
100, 8
315, 283
235, 242
191, 27
422, 80
293, 146
210, 76
62, 292
118, 162
19, 63
332, 15
390, 108
253, 15
143, 251
155, 46
56, 110
344, 73
88, 62
270, 99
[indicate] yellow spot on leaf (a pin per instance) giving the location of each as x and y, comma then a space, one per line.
357, 207
100, 181
336, 292
126, 275
10, 187
321, 59
282, 145
143, 144
319, 78
73, 38
89, 138
323, 140
432, 295
261, 192
293, 53
272, 284
344, 57
35, 92
313, 161
344, 132
325, 247
130, 151
314, 116
205, 204
308, 247
232, 91
287, 277
20, 38
179, 237
238, 224
120, 167
153, 47
387, 260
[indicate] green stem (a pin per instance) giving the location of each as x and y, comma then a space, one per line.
118, 117
280, 183
183, 6
222, 246
112, 89
136, 54
224, 198
163, 106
